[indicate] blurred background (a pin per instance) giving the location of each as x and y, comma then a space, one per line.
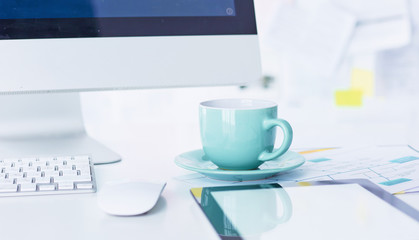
343, 72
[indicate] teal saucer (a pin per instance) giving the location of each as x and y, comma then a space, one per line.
196, 161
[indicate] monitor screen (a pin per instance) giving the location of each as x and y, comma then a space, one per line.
28, 19
26, 9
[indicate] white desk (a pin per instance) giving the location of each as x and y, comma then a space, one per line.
149, 136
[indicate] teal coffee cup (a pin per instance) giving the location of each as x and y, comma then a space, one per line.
239, 134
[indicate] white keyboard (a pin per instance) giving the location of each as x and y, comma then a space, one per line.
46, 175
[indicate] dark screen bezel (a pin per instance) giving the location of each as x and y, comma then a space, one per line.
243, 22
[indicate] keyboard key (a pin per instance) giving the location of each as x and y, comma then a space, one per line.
78, 178
12, 170
22, 164
42, 180
15, 175
46, 168
23, 180
8, 188
6, 181
29, 169
28, 187
82, 166
46, 187
66, 186
68, 172
84, 185
33, 174
51, 173
65, 167
85, 171
39, 164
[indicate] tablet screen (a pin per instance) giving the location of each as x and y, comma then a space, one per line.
317, 211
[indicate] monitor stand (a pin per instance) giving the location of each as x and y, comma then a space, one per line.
46, 125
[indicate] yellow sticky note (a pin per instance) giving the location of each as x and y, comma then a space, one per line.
363, 80
196, 192
348, 97
304, 184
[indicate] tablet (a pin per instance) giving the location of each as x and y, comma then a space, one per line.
344, 209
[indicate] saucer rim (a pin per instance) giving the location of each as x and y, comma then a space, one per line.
237, 172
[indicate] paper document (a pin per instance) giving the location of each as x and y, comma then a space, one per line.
381, 24
382, 35
313, 39
373, 9
397, 70
394, 168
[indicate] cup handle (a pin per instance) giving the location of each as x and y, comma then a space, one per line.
286, 143
286, 205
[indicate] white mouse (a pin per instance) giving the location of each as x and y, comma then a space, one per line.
129, 198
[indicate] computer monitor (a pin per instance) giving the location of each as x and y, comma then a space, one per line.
51, 50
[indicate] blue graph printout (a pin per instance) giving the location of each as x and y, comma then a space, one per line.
35, 9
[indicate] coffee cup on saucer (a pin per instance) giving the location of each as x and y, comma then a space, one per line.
239, 134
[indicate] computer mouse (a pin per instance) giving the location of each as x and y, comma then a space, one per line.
129, 198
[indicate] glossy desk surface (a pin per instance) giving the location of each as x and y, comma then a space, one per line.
149, 128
